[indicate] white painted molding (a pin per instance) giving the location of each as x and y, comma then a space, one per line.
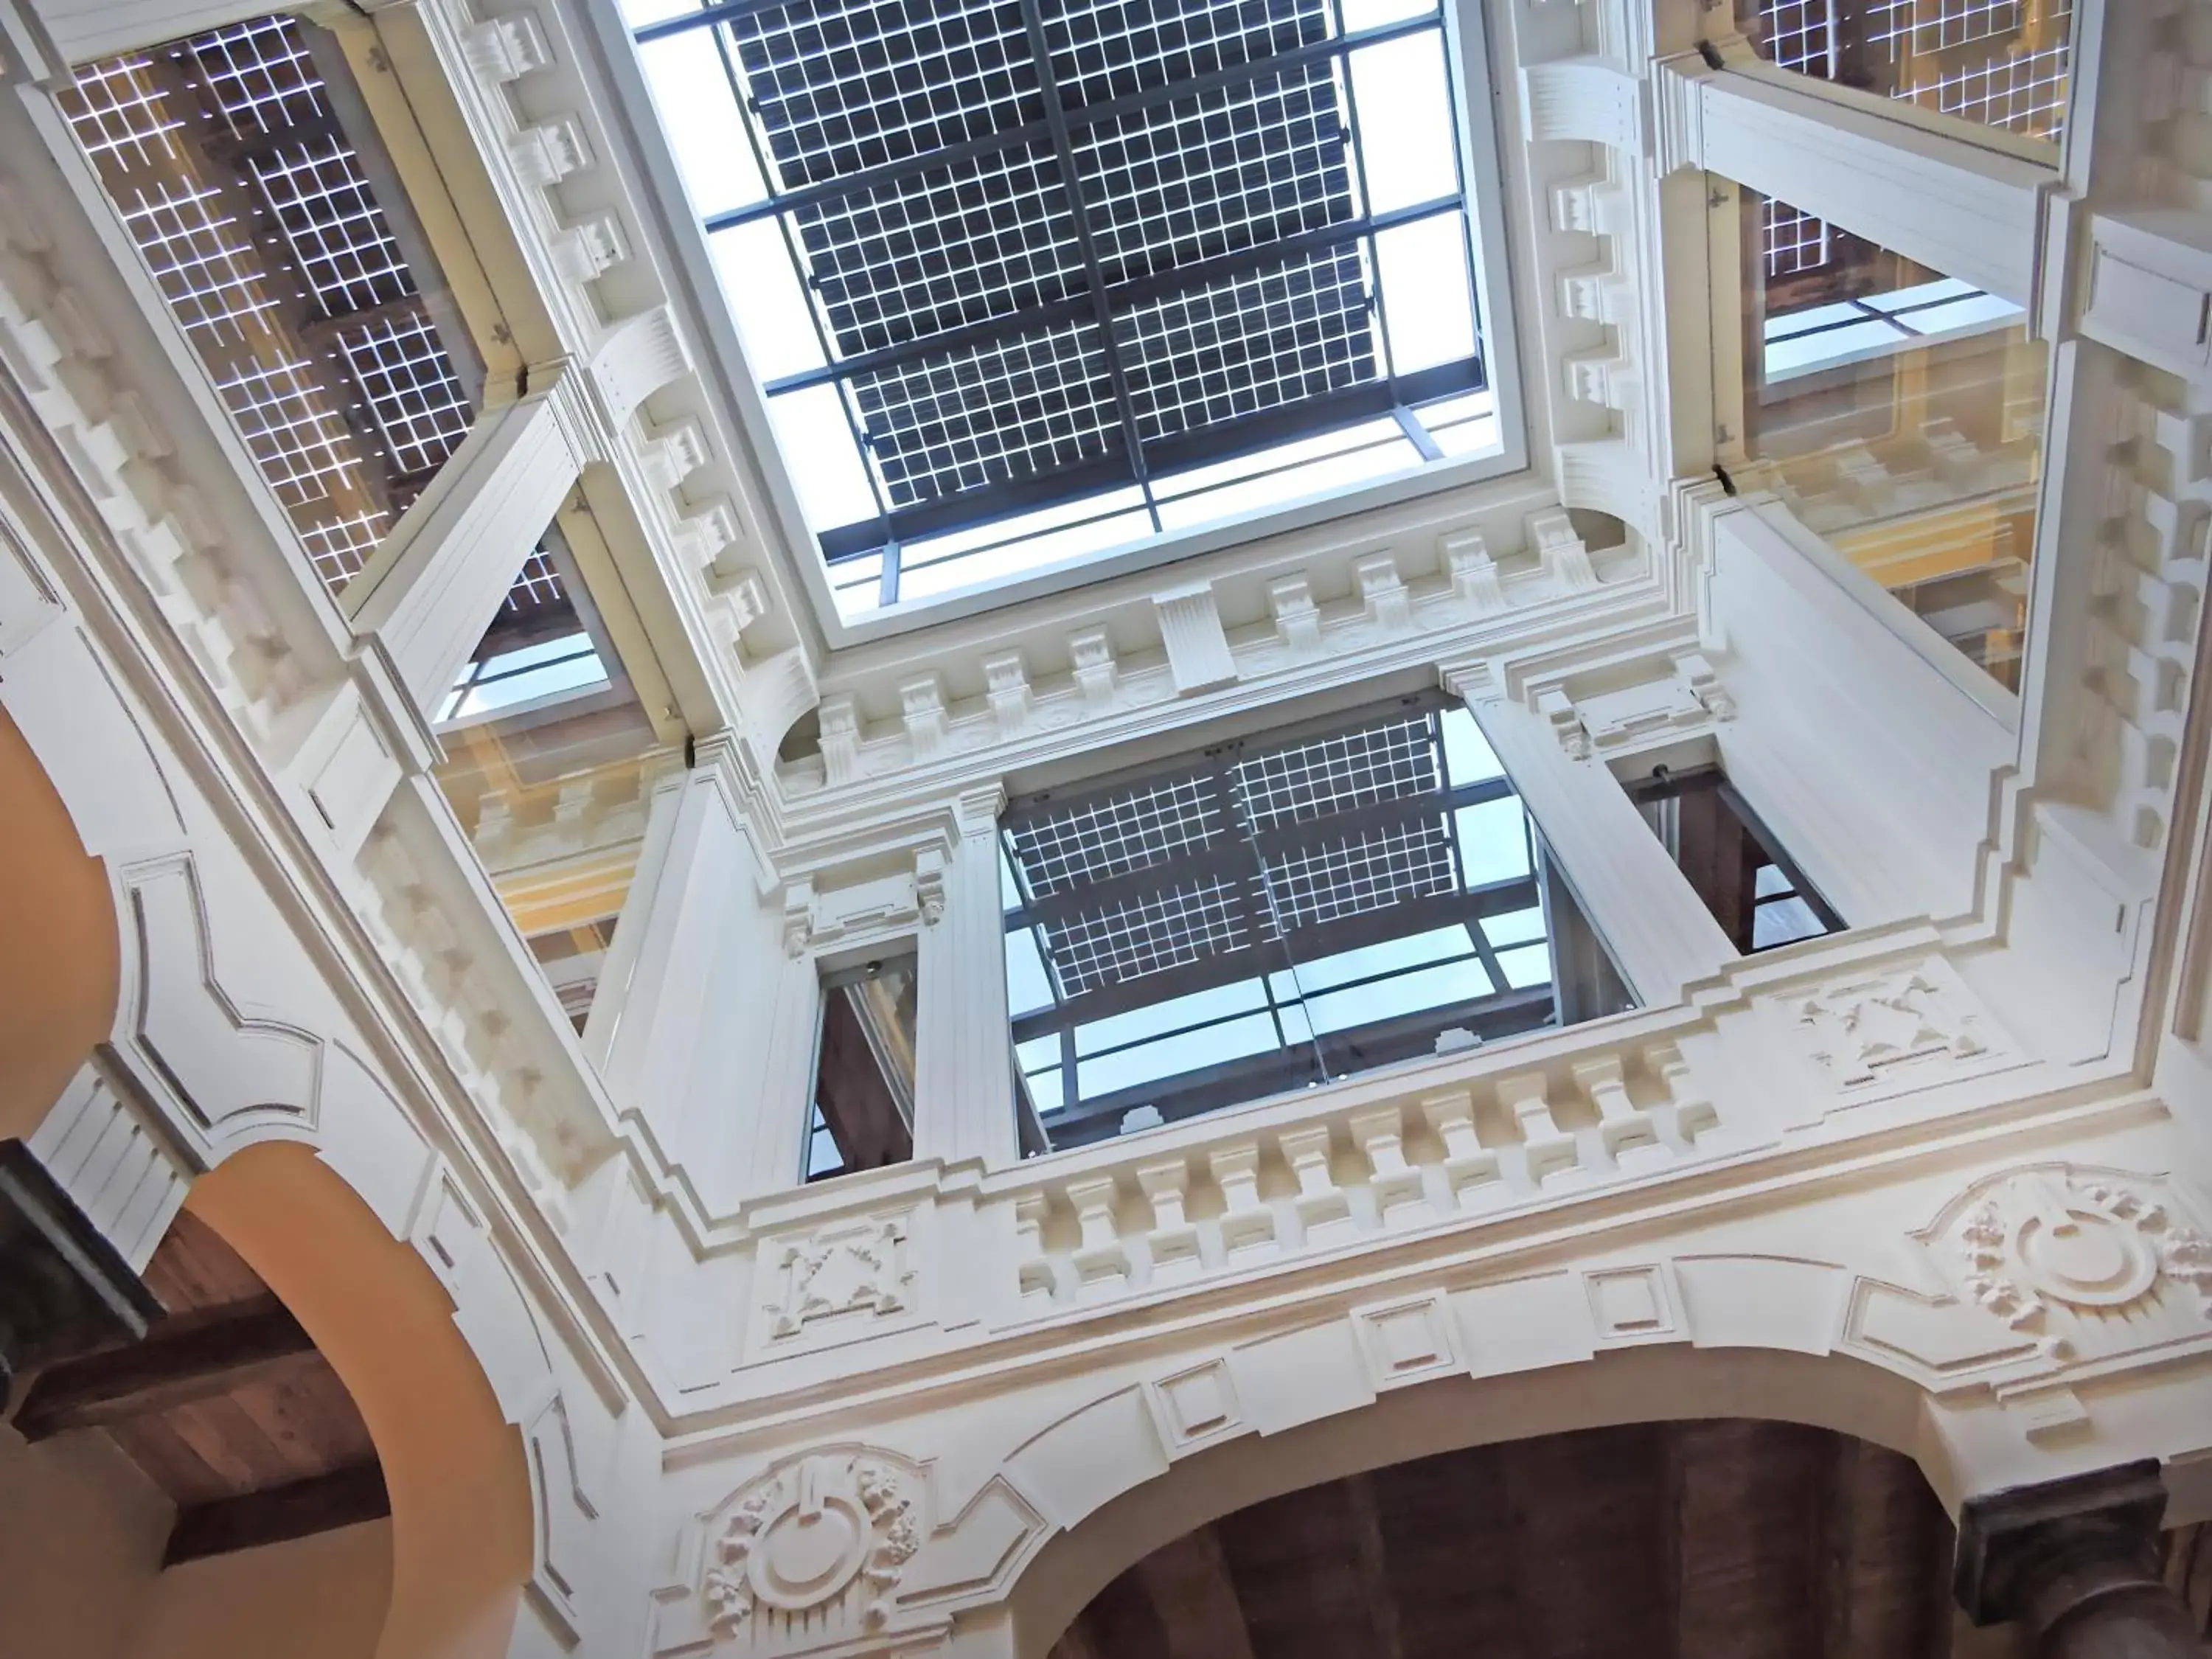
1190, 627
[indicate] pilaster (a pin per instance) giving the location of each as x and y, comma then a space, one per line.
1662, 937
963, 1085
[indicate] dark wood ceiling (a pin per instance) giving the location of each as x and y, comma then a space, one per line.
226, 1405
1729, 1540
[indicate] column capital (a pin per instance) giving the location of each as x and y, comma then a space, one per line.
1471, 680
975, 812
2076, 1560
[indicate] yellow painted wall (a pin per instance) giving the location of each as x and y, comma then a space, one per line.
322, 1597
81, 1537
57, 970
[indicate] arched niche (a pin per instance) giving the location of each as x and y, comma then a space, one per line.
59, 973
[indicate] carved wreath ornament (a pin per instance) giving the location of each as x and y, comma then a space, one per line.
2047, 1239
829, 1528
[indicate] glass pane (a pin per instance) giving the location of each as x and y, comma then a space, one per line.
1998, 63
1402, 102
817, 445
862, 1100
1899, 413
1729, 860
706, 129
541, 719
1427, 304
1280, 911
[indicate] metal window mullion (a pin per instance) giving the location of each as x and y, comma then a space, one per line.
1063, 148
1141, 291
798, 268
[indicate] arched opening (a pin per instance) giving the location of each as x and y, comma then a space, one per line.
302, 1461
1733, 1537
59, 985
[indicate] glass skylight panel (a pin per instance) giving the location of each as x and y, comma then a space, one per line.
230, 169
1039, 252
1274, 912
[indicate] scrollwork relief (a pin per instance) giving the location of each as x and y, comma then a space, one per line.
1902, 1029
832, 1531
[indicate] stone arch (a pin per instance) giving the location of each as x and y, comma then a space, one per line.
56, 1000
221, 1042
1637, 1384
463, 1516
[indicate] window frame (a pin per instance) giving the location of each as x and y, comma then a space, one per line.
1488, 185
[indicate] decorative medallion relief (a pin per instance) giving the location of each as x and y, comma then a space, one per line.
854, 1267
2084, 1263
1876, 1035
2047, 1239
820, 1542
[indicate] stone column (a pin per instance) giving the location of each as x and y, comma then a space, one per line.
963, 1105
63, 1287
1660, 934
1966, 207
435, 584
2076, 1561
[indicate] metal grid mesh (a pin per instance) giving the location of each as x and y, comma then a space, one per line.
119, 117
842, 86
1931, 26
1366, 871
2026, 93
339, 235
191, 141
1793, 240
1101, 52
1389, 761
928, 251
339, 547
1251, 342
1127, 940
1256, 162
300, 441
418, 404
204, 260
996, 412
1801, 35
537, 583
1101, 839
261, 76
972, 129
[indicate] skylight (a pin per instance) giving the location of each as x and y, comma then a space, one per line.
1276, 913
1025, 280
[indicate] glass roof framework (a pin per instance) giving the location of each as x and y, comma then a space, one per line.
1025, 260
230, 163
1277, 912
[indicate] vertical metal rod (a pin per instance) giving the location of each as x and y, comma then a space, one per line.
1063, 148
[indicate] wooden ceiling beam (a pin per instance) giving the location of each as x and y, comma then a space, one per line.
1189, 1583
321, 1503
184, 1359
1374, 1566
